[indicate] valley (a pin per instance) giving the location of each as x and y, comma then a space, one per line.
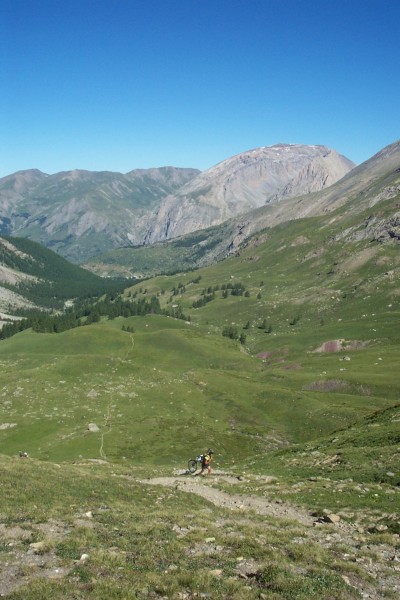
281, 354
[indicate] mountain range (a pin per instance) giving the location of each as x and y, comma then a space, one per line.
81, 214
362, 205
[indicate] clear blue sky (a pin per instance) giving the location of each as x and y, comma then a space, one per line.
123, 84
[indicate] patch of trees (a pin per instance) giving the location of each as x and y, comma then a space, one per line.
294, 320
234, 289
232, 332
203, 301
85, 313
207, 295
179, 289
41, 323
228, 289
10, 329
265, 326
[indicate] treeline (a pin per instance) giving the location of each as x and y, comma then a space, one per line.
85, 313
53, 294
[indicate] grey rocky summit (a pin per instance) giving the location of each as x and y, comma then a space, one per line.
244, 182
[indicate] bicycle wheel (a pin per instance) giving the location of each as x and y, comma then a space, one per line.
192, 465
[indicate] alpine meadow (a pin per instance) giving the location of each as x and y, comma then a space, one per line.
270, 336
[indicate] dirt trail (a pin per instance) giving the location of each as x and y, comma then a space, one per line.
202, 486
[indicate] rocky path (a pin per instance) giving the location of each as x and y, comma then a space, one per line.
202, 486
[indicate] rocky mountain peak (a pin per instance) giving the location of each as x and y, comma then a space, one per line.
246, 181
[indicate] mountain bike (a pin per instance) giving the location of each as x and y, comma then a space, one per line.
195, 463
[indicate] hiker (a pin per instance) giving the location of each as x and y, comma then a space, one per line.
206, 460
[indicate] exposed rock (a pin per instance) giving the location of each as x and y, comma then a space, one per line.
216, 572
340, 345
84, 558
378, 528
331, 518
328, 517
93, 427
374, 228
247, 568
37, 547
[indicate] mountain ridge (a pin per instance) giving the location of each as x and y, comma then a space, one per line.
81, 214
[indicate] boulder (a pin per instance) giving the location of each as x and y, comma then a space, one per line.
93, 427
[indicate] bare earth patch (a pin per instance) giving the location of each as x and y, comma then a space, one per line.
341, 345
24, 559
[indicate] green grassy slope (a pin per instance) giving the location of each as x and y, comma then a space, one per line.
303, 288
324, 424
105, 531
169, 388
366, 451
308, 290
145, 391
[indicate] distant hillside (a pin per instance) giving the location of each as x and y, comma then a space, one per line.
81, 213
363, 205
32, 277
